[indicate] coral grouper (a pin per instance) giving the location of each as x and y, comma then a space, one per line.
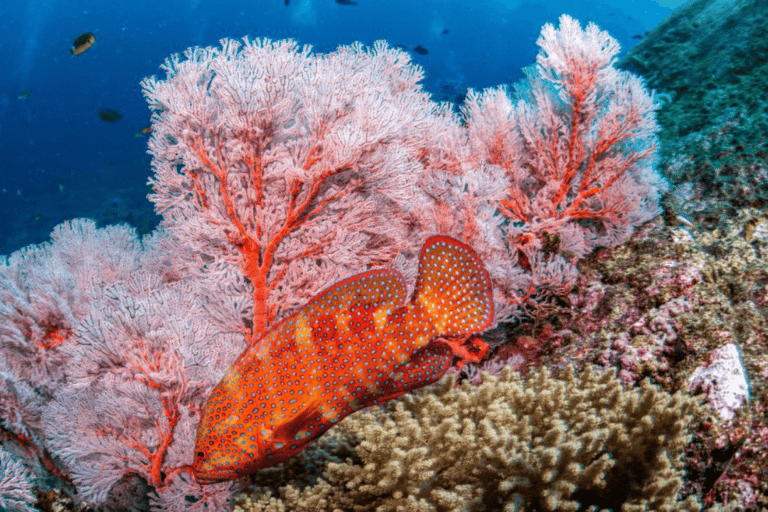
354, 345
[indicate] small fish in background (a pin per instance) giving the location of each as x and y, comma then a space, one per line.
144, 131
346, 2
25, 94
356, 344
445, 31
82, 43
420, 50
286, 2
109, 115
453, 90
640, 37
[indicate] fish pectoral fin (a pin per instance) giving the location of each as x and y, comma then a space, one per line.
425, 366
286, 432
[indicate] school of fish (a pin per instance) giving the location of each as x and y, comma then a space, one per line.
356, 344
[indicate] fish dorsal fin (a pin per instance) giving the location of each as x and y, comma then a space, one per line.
453, 287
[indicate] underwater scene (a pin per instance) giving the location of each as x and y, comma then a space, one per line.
369, 255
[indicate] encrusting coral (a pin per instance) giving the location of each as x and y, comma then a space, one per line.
576, 441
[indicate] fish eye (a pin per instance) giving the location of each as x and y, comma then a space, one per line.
201, 454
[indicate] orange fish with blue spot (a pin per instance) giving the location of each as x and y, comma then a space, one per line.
356, 344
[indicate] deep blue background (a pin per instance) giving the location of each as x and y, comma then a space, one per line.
59, 160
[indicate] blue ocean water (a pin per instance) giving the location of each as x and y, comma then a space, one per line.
59, 160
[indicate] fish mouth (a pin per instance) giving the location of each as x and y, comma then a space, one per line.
207, 478
209, 475
208, 481
201, 477
211, 468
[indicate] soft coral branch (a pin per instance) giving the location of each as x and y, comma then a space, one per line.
280, 146
584, 138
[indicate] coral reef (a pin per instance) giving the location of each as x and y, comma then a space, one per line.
708, 63
708, 58
711, 76
571, 442
275, 170
662, 306
15, 484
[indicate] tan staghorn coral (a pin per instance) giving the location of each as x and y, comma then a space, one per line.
571, 442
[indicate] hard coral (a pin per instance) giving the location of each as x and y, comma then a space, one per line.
572, 442
658, 307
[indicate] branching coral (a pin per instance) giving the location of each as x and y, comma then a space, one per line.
571, 442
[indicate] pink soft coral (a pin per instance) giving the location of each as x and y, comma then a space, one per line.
577, 146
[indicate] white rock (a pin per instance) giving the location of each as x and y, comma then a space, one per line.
723, 381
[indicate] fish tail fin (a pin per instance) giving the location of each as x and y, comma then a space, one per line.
453, 288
